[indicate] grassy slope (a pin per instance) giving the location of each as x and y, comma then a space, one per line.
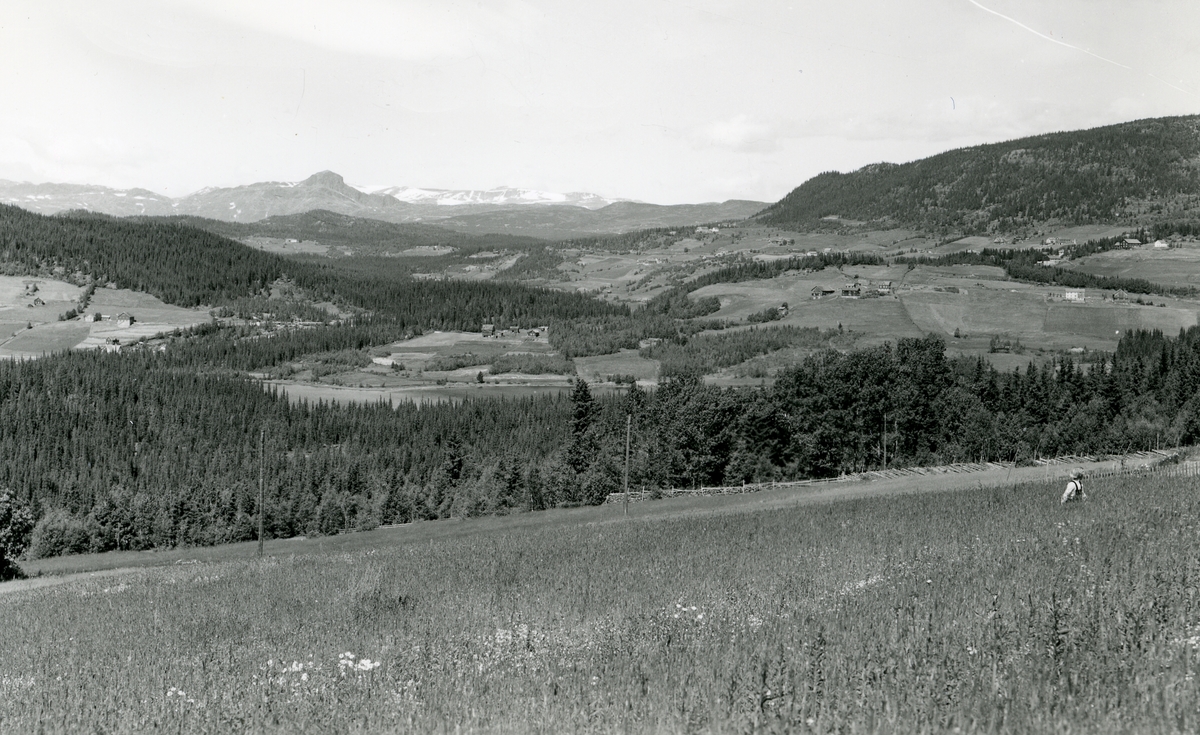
989, 610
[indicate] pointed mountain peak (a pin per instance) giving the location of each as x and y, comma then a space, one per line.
325, 178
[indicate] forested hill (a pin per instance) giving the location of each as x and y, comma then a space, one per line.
187, 266
331, 228
1121, 174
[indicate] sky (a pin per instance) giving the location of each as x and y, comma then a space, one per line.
657, 100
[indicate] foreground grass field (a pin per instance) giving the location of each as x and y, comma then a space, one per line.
987, 610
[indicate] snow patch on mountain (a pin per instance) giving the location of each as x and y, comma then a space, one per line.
499, 196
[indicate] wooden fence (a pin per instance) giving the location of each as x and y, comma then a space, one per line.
1130, 464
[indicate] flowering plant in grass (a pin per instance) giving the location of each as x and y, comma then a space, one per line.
348, 664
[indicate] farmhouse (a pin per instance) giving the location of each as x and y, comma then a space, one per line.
1077, 297
1132, 241
125, 319
819, 292
1161, 244
884, 289
851, 292
1121, 295
489, 330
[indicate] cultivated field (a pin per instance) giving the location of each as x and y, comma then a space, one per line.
1172, 267
434, 367
623, 363
30, 329
427, 393
977, 611
285, 246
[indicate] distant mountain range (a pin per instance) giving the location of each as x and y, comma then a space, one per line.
502, 210
1128, 174
558, 222
474, 199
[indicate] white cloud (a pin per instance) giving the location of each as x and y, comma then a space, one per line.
739, 133
408, 30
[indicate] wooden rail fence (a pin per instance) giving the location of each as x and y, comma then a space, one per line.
1137, 463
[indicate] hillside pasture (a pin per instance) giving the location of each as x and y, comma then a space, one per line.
1083, 233
18, 307
974, 242
408, 370
49, 335
1104, 322
983, 610
1038, 322
418, 352
44, 339
876, 273
874, 321
955, 275
8, 329
1170, 267
740, 300
978, 311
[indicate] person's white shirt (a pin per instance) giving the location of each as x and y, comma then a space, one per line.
1074, 490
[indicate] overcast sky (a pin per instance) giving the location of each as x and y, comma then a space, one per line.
668, 102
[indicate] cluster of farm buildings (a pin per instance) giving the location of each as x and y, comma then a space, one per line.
491, 330
853, 291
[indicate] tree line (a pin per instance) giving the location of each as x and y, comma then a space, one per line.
132, 451
1023, 265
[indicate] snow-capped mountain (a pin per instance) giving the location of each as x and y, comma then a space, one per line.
503, 209
500, 196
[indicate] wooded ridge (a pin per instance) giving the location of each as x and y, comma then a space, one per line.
1117, 173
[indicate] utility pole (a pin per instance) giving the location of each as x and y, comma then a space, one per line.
628, 429
262, 475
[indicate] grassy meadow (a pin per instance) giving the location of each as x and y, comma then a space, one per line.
975, 611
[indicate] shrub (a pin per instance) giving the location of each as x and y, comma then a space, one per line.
58, 533
532, 365
768, 314
16, 523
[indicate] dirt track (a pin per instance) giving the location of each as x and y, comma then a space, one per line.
23, 585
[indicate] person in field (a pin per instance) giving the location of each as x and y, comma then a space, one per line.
1074, 489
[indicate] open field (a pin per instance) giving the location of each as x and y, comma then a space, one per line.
977, 301
48, 334
434, 367
625, 362
284, 246
1172, 267
451, 343
45, 338
453, 392
431, 393
978, 611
